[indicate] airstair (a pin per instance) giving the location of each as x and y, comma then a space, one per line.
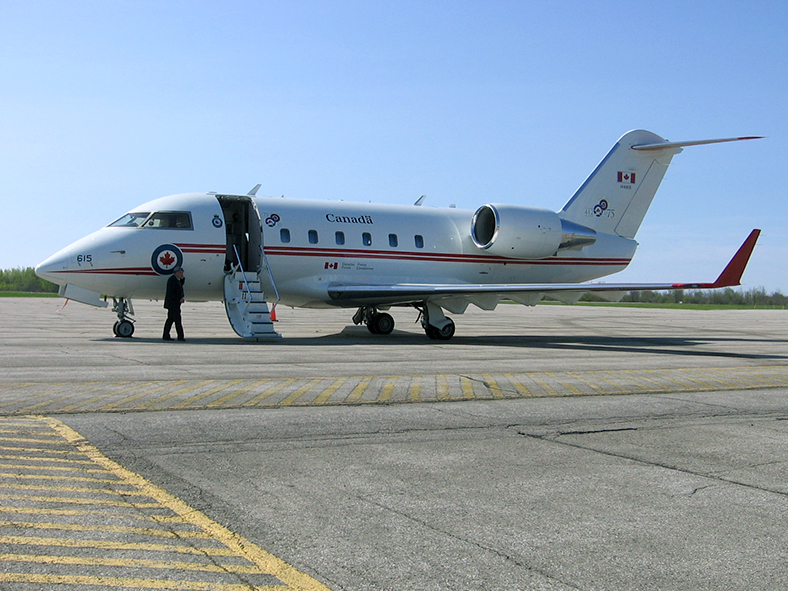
248, 278
246, 305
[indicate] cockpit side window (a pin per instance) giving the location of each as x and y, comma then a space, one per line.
172, 220
133, 219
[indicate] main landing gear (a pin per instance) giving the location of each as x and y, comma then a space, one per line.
436, 325
124, 326
377, 322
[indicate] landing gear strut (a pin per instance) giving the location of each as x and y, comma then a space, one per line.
377, 322
124, 326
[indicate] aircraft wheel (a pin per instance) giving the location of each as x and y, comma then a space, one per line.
115, 328
124, 328
381, 324
441, 334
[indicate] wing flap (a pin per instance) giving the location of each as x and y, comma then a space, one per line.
486, 296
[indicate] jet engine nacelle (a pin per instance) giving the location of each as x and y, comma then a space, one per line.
526, 232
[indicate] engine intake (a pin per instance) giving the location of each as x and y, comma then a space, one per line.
526, 232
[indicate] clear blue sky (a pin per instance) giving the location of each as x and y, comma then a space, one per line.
107, 104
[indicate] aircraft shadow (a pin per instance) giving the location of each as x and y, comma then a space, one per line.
353, 336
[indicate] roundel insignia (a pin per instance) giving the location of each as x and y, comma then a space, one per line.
166, 258
217, 221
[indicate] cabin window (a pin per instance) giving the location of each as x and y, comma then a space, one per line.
284, 235
393, 240
340, 238
312, 236
169, 220
366, 238
419, 240
132, 219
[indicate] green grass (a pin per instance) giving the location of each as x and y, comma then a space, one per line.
666, 306
27, 294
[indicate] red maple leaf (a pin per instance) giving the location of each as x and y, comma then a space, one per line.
166, 259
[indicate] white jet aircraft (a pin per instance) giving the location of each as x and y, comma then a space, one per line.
248, 251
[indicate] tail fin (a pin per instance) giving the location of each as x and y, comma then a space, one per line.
615, 197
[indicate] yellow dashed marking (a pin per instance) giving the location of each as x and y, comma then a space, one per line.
196, 394
141, 536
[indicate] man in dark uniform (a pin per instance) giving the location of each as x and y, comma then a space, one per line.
172, 301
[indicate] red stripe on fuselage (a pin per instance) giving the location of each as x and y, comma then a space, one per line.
434, 257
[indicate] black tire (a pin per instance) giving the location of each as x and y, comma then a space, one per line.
124, 329
383, 323
441, 334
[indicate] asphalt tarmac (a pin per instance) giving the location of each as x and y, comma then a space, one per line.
553, 447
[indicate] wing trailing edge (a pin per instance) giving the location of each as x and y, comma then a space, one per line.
410, 293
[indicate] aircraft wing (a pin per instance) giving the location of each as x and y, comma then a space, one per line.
488, 295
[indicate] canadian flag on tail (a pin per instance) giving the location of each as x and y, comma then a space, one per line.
626, 177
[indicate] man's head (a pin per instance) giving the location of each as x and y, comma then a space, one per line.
178, 272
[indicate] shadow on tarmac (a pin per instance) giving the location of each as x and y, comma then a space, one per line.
352, 336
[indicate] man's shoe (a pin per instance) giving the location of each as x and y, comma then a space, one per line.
166, 338
180, 339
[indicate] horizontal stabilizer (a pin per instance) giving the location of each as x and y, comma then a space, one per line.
666, 144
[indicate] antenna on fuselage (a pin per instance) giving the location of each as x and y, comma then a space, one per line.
420, 200
253, 192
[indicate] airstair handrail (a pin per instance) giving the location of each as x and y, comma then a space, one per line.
243, 273
271, 277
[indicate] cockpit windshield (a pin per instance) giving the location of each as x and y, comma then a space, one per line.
177, 220
132, 219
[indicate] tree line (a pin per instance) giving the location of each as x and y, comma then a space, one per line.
718, 297
25, 280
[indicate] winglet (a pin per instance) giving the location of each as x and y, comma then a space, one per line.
732, 273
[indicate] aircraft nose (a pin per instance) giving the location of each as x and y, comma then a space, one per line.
52, 268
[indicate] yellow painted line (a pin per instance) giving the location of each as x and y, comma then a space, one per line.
521, 388
467, 388
235, 394
59, 477
359, 390
27, 440
43, 459
77, 501
108, 545
414, 392
238, 545
640, 375
129, 582
136, 397
25, 432
141, 531
387, 390
292, 397
52, 468
548, 389
105, 491
442, 387
134, 563
36, 396
270, 392
324, 396
108, 515
493, 387
580, 378
157, 401
34, 407
205, 395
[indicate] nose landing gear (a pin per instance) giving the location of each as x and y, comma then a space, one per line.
124, 326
